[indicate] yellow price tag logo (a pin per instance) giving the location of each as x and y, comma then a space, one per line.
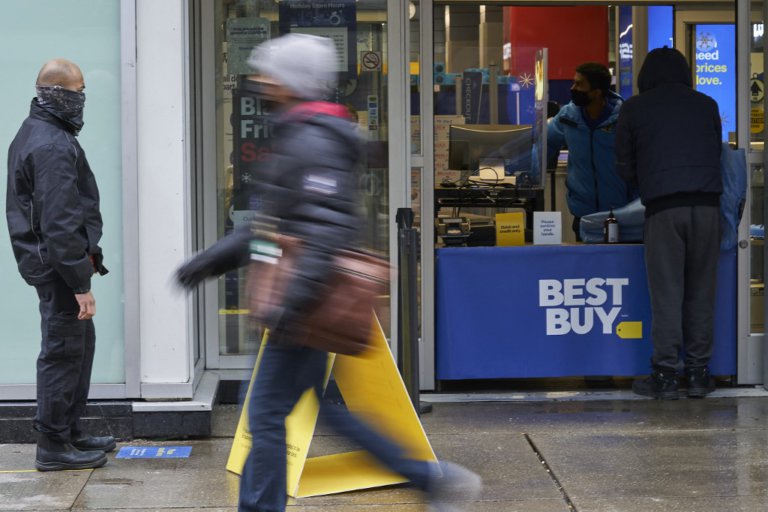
630, 330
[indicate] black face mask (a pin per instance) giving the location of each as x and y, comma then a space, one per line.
580, 98
64, 104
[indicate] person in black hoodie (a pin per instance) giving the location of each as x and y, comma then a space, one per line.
309, 189
52, 210
668, 142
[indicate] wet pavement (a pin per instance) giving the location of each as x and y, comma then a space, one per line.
577, 453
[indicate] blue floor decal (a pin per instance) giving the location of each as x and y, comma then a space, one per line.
154, 452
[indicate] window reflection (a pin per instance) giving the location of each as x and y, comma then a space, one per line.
242, 126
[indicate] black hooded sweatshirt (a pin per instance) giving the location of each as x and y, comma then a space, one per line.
668, 138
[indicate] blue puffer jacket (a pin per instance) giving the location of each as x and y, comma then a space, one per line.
593, 184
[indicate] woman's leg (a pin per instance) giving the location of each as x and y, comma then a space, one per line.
388, 452
284, 374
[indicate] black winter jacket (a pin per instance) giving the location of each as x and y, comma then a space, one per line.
668, 138
52, 203
310, 187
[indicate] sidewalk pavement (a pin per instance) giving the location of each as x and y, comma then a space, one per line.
605, 452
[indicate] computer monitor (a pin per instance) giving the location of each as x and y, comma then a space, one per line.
471, 144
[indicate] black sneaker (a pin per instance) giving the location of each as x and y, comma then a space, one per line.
660, 384
700, 382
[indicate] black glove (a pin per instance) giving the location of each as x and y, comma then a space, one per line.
227, 254
97, 260
192, 272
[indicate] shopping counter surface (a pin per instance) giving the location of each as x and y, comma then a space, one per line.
556, 311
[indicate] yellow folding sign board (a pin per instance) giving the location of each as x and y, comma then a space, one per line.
373, 390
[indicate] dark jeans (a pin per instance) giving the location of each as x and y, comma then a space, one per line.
682, 247
64, 364
284, 374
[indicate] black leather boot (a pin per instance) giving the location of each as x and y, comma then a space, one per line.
700, 382
85, 442
58, 456
661, 384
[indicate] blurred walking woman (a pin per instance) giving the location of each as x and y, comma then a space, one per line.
309, 188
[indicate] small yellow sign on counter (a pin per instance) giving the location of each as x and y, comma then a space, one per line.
510, 228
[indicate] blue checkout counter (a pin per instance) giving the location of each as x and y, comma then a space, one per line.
557, 311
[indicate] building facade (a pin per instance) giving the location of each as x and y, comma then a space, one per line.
173, 145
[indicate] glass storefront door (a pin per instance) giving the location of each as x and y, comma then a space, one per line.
756, 175
754, 89
230, 120
682, 21
240, 131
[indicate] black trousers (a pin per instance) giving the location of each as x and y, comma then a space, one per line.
682, 247
64, 364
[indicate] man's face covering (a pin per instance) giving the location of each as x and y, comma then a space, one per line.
65, 104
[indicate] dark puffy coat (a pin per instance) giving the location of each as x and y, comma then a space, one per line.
668, 138
310, 187
52, 203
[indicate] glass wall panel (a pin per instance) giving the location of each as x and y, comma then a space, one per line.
88, 33
484, 120
359, 31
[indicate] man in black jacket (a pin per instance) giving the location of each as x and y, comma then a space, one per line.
668, 141
52, 210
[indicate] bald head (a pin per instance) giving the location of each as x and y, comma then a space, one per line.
61, 72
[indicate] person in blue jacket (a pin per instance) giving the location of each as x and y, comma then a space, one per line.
586, 126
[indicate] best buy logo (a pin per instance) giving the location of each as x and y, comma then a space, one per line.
580, 305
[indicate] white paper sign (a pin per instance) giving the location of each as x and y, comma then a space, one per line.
336, 34
547, 228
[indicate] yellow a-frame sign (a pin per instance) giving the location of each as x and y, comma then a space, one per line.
373, 389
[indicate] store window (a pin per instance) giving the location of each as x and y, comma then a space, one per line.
86, 32
359, 30
488, 115
714, 63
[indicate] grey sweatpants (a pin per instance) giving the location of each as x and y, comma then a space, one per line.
682, 246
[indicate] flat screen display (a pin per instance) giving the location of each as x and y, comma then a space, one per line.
470, 144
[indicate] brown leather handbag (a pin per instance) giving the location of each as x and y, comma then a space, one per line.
342, 320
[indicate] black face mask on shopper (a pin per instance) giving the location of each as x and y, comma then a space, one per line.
580, 98
64, 104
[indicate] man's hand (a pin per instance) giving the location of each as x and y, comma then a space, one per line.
87, 305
